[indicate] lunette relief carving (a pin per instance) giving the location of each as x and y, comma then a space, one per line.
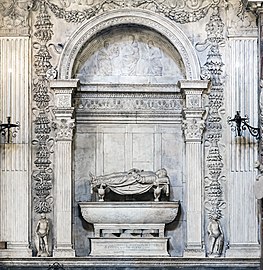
213, 69
131, 57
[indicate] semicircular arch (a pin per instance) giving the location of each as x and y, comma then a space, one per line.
148, 19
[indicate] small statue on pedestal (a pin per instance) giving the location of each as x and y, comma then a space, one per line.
216, 237
42, 231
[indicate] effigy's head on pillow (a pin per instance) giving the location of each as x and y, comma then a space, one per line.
161, 173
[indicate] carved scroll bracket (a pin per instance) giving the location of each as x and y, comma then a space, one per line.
194, 110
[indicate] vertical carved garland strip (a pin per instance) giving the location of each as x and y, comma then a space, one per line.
214, 203
43, 173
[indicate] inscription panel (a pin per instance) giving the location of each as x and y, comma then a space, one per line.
129, 247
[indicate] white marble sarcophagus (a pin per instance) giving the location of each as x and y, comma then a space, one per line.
130, 228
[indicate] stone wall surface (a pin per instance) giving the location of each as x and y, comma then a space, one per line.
106, 86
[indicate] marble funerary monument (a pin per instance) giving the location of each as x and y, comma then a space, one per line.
123, 156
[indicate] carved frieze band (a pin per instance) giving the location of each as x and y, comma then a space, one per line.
154, 103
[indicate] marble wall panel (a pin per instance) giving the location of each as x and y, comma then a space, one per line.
105, 148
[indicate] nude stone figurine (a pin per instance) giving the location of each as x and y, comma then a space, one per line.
216, 237
42, 231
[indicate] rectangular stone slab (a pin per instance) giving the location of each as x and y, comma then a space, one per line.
152, 247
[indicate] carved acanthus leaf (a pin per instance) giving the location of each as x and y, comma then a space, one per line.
64, 129
193, 129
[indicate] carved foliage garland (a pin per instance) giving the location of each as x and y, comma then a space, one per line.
176, 12
213, 189
43, 173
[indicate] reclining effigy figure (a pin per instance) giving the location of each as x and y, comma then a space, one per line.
133, 182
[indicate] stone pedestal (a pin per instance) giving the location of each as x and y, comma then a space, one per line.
129, 228
149, 247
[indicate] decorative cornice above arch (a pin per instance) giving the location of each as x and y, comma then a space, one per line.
147, 19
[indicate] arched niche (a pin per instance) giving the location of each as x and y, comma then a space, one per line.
147, 19
150, 136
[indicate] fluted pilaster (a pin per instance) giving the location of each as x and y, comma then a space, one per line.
64, 125
193, 127
243, 151
15, 158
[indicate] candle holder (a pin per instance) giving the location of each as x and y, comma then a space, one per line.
241, 124
6, 130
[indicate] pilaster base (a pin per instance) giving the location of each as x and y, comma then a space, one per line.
194, 253
64, 253
244, 251
16, 250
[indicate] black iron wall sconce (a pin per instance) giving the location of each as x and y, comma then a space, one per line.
6, 130
241, 124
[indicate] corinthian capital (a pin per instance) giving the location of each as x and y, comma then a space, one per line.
64, 129
193, 129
